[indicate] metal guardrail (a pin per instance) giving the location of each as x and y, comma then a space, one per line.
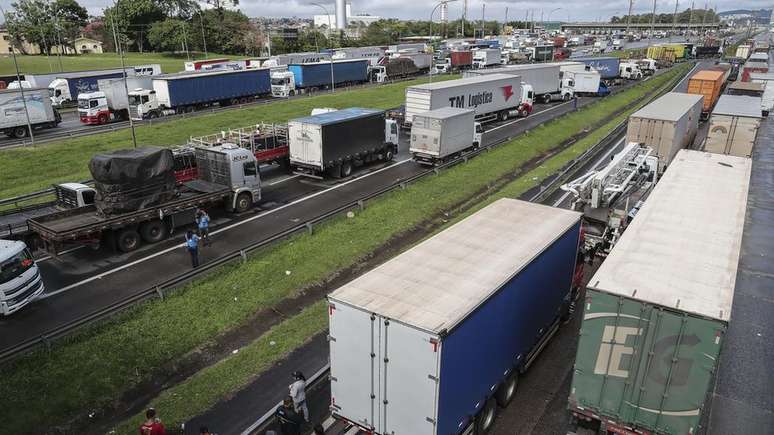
158, 290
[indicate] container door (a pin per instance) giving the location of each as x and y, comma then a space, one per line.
409, 380
308, 140
417, 101
354, 348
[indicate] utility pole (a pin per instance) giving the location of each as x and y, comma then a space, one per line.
652, 24
703, 18
464, 15
204, 38
506, 19
483, 11
629, 16
690, 22
123, 70
674, 18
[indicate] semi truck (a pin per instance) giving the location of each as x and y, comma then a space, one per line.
111, 101
541, 53
20, 280
492, 96
486, 57
65, 90
294, 58
188, 91
668, 124
657, 310
442, 134
709, 84
391, 68
757, 63
423, 61
227, 177
435, 340
544, 79
333, 143
629, 71
303, 77
608, 67
584, 82
15, 110
734, 125
455, 61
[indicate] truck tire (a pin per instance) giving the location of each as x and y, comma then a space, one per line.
243, 203
486, 418
153, 231
507, 389
346, 168
504, 115
153, 115
546, 98
388, 154
127, 240
102, 119
20, 132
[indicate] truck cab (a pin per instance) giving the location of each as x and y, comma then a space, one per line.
93, 108
60, 92
74, 195
283, 84
647, 66
443, 66
629, 71
20, 280
234, 166
378, 73
143, 104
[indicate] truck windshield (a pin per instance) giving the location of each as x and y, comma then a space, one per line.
83, 103
15, 266
134, 100
278, 81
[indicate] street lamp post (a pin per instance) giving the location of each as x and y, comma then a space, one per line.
548, 19
333, 83
430, 72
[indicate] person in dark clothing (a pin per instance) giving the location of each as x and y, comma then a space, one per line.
289, 420
192, 244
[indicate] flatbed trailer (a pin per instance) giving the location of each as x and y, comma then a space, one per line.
268, 142
85, 226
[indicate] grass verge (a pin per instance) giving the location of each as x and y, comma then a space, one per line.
31, 169
88, 370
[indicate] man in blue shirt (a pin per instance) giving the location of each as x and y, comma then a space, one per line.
203, 223
192, 244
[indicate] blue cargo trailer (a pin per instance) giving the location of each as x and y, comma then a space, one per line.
318, 74
607, 66
431, 341
184, 89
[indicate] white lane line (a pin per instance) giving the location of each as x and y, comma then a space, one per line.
594, 166
226, 228
527, 117
282, 180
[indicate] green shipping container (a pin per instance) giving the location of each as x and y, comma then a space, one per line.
657, 309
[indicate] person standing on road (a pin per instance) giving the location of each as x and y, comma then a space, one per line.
192, 244
289, 420
203, 223
298, 393
152, 424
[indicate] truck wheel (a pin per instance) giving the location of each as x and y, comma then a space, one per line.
566, 97
547, 98
507, 389
243, 203
388, 155
292, 93
127, 240
346, 169
153, 115
504, 115
20, 132
485, 419
102, 119
153, 231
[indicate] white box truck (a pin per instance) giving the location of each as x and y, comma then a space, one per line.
443, 133
486, 57
543, 77
733, 125
492, 97
14, 111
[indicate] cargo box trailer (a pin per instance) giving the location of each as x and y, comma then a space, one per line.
422, 61
656, 311
544, 79
303, 77
749, 89
767, 79
709, 84
667, 125
66, 89
607, 66
188, 91
443, 133
455, 61
492, 96
486, 57
433, 340
333, 143
704, 52
111, 101
743, 51
734, 125
15, 110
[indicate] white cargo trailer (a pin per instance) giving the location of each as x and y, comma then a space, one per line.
491, 96
14, 111
543, 77
443, 133
767, 103
486, 57
667, 125
422, 61
734, 125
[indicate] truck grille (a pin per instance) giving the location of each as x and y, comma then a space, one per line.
133, 112
24, 294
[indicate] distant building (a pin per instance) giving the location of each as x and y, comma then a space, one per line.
365, 19
85, 45
5, 45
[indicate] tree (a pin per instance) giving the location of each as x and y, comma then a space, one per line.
133, 19
69, 20
31, 22
170, 35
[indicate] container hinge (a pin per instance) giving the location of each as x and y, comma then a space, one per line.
334, 379
331, 338
432, 378
430, 420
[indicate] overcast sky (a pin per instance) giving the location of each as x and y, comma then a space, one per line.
575, 10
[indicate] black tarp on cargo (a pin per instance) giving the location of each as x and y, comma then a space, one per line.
129, 180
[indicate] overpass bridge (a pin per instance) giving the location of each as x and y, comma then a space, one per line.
610, 27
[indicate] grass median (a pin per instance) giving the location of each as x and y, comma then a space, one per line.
88, 370
29, 169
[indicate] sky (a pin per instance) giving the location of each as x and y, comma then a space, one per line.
576, 10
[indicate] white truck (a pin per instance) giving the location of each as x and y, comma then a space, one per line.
629, 71
486, 57
492, 96
443, 133
599, 47
543, 77
111, 101
287, 59
20, 280
14, 111
647, 66
583, 80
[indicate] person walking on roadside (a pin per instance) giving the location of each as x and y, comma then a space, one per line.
203, 223
298, 393
152, 424
289, 420
192, 244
